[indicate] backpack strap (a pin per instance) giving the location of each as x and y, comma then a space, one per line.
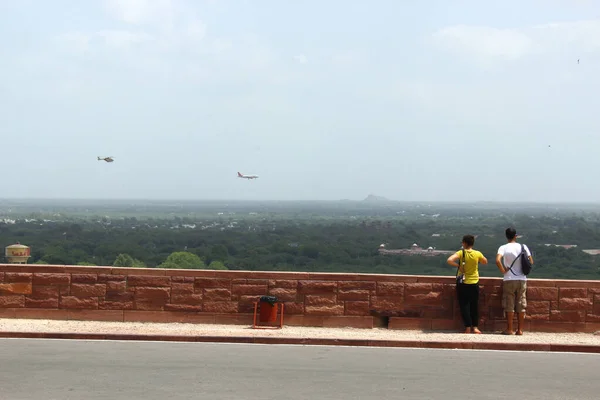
520, 254
463, 261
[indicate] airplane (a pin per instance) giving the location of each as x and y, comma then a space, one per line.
107, 159
247, 176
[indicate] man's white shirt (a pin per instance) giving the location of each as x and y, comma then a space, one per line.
510, 252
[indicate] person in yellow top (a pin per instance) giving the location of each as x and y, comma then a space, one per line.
467, 261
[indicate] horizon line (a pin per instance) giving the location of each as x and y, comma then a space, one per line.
364, 200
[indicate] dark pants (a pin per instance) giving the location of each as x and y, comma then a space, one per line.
468, 300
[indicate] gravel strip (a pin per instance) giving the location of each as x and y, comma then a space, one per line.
56, 326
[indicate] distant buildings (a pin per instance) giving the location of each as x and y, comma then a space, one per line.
415, 250
564, 246
592, 252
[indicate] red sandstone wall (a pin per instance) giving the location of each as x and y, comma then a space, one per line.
311, 299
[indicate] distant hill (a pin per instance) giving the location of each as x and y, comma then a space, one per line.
376, 199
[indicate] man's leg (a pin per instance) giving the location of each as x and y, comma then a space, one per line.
521, 306
520, 322
508, 302
510, 316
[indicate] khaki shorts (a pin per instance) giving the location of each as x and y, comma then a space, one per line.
514, 294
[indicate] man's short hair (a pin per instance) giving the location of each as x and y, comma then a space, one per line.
469, 240
511, 233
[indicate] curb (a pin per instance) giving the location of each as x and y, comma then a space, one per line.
571, 348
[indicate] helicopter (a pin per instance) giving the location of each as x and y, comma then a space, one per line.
107, 159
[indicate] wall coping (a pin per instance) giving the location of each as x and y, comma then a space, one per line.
245, 274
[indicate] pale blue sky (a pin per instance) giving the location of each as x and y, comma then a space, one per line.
324, 100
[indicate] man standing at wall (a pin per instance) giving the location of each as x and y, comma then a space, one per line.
514, 286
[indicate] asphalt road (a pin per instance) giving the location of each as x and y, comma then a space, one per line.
94, 370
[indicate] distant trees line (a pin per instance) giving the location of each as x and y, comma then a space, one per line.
317, 244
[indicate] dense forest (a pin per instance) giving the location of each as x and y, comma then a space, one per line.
291, 236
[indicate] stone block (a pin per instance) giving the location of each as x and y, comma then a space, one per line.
51, 279
430, 298
337, 309
283, 294
316, 287
390, 288
116, 286
148, 281
284, 284
357, 285
575, 304
387, 303
212, 283
18, 277
354, 294
219, 307
542, 293
217, 294
320, 300
84, 278
356, 308
182, 288
572, 292
250, 289
567, 316
72, 302
417, 288
15, 288
12, 301
191, 299
538, 307
151, 298
88, 290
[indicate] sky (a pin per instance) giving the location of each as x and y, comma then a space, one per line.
433, 100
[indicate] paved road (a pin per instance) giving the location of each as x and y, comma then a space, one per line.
94, 370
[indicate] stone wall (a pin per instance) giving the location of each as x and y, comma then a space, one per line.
311, 299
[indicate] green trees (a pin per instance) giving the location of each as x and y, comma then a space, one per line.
218, 252
124, 260
217, 265
183, 260
341, 240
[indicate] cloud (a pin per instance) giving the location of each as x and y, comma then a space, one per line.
140, 12
153, 28
150, 44
301, 58
77, 41
485, 41
196, 30
123, 39
167, 22
489, 43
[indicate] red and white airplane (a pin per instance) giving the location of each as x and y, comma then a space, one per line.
247, 176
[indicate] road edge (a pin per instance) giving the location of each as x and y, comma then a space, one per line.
573, 348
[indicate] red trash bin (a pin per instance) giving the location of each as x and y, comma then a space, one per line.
268, 309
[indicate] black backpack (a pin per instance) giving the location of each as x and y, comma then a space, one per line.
525, 262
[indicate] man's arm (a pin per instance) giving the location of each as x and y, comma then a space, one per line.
499, 264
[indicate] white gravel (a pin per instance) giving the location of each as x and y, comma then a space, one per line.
53, 326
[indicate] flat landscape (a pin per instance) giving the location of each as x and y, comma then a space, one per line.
374, 235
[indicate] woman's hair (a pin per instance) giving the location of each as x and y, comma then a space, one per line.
469, 240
